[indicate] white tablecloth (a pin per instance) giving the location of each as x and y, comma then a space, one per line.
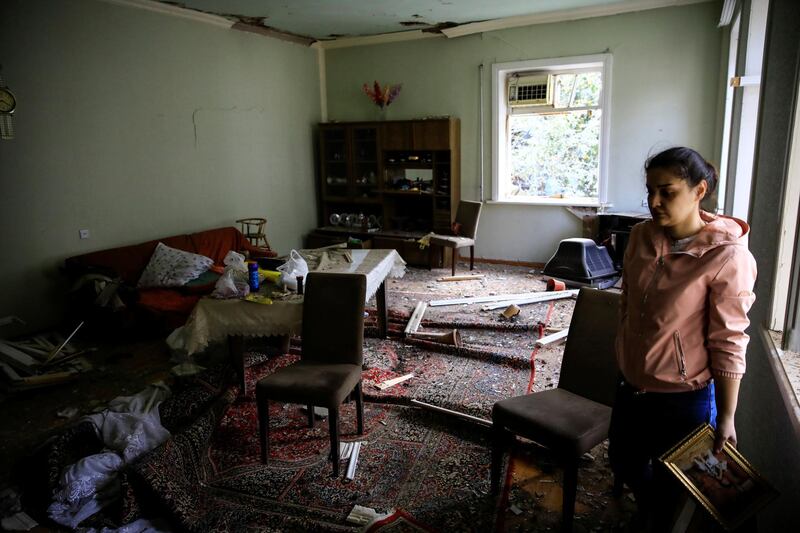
214, 320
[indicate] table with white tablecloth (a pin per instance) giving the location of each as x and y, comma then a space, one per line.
214, 320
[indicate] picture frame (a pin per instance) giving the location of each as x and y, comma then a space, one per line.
725, 484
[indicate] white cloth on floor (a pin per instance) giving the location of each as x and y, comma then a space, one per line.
130, 427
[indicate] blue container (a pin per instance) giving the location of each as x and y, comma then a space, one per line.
252, 270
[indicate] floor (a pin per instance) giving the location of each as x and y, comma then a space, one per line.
31, 417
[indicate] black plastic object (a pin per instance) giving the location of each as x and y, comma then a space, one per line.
582, 262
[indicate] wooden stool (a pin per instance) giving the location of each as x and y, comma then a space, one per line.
254, 230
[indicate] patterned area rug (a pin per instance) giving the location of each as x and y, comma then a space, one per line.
209, 476
457, 379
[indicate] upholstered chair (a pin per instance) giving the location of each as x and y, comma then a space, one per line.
573, 418
465, 228
329, 370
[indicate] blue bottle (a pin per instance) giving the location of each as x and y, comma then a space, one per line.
252, 270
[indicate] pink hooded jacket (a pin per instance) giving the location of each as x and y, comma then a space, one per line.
683, 314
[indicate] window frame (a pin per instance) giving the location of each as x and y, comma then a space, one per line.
501, 112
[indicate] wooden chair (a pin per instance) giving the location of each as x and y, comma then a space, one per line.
254, 229
574, 417
466, 222
330, 366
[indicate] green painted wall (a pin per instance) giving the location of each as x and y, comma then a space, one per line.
665, 90
137, 125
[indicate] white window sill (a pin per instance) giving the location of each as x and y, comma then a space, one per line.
562, 202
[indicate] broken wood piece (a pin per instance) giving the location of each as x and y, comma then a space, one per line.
361, 516
446, 411
44, 380
345, 449
551, 329
505, 298
16, 358
61, 346
10, 373
394, 381
416, 317
482, 299
511, 311
543, 297
351, 466
555, 337
452, 338
20, 521
30, 349
463, 277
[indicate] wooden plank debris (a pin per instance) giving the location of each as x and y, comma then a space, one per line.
452, 337
555, 337
463, 277
63, 344
416, 317
543, 297
481, 299
16, 358
351, 466
505, 298
394, 381
450, 412
37, 362
361, 516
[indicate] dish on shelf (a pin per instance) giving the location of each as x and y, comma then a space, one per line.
335, 219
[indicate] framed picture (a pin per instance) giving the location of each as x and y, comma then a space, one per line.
724, 483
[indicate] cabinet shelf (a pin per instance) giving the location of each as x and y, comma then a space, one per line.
351, 152
406, 193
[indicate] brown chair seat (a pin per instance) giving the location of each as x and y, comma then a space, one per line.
321, 384
558, 419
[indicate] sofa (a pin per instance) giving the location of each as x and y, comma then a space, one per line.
105, 281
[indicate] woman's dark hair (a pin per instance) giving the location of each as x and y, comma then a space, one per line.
687, 164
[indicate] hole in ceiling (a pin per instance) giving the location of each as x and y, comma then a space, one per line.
441, 26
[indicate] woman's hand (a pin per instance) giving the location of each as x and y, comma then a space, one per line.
726, 432
727, 393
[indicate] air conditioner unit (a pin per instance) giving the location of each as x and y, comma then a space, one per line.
530, 90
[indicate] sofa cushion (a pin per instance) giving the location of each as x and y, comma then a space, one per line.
170, 267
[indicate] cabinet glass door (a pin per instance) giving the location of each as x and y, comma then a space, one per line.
334, 151
365, 162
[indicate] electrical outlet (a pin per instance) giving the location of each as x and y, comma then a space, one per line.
84, 233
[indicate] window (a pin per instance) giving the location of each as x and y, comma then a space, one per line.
550, 130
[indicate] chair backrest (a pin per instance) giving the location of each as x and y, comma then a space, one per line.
467, 215
333, 317
589, 367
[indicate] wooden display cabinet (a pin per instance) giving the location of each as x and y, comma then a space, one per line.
405, 175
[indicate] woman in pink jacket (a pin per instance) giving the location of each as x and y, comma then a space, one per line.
687, 287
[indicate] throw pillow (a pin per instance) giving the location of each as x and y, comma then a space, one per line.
169, 267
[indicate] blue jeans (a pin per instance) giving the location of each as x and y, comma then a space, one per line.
644, 427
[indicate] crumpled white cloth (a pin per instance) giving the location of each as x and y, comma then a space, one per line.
130, 427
